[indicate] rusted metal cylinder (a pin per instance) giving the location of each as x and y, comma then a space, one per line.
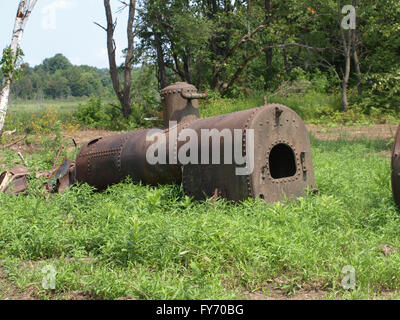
180, 103
280, 162
282, 157
106, 161
395, 168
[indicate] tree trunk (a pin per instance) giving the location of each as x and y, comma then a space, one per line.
24, 10
347, 45
358, 71
127, 106
286, 61
162, 74
345, 82
355, 58
123, 95
186, 67
268, 52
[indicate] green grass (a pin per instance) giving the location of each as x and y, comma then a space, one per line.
312, 107
22, 114
60, 105
156, 243
309, 106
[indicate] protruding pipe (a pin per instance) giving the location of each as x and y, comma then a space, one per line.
191, 96
180, 103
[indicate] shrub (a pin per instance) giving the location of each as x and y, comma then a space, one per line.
381, 95
96, 114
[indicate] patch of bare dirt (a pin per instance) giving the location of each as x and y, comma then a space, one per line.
273, 291
126, 299
373, 132
9, 291
388, 250
78, 295
281, 295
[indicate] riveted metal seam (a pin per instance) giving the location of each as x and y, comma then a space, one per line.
244, 147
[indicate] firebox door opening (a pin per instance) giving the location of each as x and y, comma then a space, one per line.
282, 162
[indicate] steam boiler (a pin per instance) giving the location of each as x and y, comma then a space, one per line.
261, 153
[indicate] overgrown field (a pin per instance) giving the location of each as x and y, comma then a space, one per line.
156, 243
101, 112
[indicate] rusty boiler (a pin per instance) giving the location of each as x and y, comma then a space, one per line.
261, 153
395, 167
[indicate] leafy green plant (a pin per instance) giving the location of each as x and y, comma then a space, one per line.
11, 63
96, 114
381, 94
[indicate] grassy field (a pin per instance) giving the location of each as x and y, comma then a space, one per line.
313, 107
60, 105
156, 243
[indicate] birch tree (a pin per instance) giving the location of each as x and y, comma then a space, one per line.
12, 54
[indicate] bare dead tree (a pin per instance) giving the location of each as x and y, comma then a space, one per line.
12, 54
123, 92
356, 58
162, 73
348, 45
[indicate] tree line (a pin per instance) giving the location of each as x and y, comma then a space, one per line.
57, 77
236, 47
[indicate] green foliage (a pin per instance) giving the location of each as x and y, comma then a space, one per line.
146, 104
144, 90
381, 94
95, 114
57, 78
312, 106
58, 62
177, 248
42, 117
205, 43
10, 63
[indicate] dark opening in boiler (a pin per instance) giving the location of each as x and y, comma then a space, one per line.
282, 162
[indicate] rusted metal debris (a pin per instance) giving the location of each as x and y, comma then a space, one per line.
14, 181
396, 168
60, 178
282, 158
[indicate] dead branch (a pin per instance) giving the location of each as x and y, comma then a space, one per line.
22, 158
